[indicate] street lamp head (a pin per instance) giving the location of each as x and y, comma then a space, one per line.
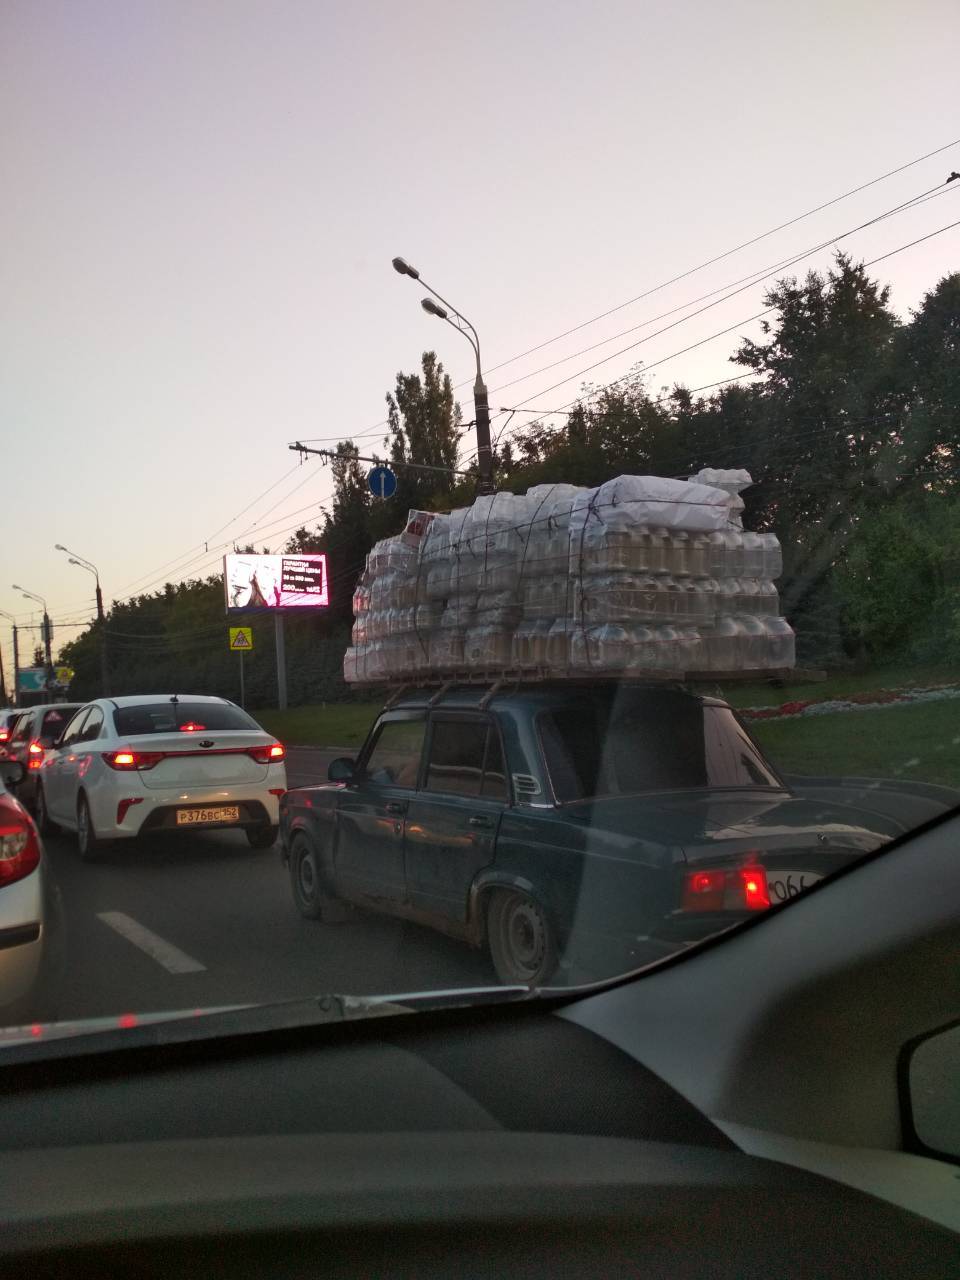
59, 547
432, 309
405, 269
72, 561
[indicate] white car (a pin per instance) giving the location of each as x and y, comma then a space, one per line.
162, 762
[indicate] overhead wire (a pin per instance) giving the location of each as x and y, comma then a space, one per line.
746, 244
734, 291
719, 333
188, 556
744, 283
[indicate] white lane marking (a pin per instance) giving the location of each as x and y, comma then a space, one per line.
165, 953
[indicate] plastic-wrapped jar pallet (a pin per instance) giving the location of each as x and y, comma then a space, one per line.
639, 574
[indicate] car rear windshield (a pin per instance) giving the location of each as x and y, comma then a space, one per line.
648, 742
168, 717
54, 722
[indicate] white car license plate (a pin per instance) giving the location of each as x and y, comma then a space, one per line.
782, 885
223, 813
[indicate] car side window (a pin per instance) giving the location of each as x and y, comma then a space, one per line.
91, 726
466, 759
456, 757
72, 732
21, 728
394, 759
51, 726
494, 769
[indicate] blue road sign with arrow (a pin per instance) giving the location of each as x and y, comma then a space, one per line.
382, 482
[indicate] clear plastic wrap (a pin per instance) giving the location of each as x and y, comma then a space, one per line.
638, 574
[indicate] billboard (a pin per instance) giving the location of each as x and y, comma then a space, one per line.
275, 582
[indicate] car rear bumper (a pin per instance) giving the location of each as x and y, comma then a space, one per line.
155, 811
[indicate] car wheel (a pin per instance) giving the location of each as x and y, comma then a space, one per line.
305, 878
262, 837
44, 824
520, 938
89, 843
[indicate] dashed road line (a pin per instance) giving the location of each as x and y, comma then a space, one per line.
165, 953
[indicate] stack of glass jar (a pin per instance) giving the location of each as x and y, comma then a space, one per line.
641, 574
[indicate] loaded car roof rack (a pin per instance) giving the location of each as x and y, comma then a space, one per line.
495, 681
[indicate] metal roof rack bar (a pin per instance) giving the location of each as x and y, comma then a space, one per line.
507, 676
440, 692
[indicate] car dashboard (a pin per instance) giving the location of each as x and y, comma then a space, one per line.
475, 1142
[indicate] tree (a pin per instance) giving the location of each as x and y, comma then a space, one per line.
928, 372
425, 427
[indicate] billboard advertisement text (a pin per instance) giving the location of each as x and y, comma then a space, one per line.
275, 582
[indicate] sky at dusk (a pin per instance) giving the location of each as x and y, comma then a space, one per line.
201, 199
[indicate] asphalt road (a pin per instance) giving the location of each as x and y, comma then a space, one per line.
204, 920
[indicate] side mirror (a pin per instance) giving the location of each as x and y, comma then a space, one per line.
341, 769
12, 772
933, 1069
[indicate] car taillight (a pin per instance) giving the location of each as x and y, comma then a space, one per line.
35, 755
19, 842
271, 754
734, 889
132, 761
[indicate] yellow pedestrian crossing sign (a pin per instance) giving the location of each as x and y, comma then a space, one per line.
241, 639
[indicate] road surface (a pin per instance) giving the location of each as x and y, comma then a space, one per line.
204, 920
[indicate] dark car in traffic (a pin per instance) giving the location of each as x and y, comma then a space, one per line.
575, 830
32, 737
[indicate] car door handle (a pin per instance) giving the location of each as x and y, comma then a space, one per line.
479, 821
397, 806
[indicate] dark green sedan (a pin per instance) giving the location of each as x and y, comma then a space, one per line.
574, 830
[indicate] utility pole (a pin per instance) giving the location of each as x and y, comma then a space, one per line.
16, 658
281, 660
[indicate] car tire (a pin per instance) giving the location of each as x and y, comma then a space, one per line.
305, 878
88, 842
521, 939
45, 825
313, 901
262, 837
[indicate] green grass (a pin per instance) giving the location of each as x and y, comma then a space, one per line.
837, 685
337, 724
920, 742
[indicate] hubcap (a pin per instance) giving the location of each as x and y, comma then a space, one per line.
526, 936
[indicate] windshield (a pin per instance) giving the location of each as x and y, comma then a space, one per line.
173, 717
591, 629
648, 743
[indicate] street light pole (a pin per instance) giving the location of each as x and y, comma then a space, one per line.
481, 404
101, 617
16, 658
47, 635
